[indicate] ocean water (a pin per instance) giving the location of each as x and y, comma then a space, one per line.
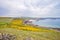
49, 23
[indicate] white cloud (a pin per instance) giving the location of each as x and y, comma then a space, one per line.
32, 8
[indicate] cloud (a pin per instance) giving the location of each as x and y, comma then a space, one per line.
30, 8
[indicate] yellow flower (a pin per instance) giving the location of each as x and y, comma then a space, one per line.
17, 21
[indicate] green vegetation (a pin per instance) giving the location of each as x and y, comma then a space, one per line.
26, 32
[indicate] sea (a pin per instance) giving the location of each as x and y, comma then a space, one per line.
53, 23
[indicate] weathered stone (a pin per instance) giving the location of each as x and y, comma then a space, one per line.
4, 36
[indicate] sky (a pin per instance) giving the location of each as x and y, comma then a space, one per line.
30, 8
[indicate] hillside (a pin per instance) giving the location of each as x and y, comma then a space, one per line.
23, 31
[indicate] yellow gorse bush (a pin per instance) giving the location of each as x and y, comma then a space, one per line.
18, 24
17, 21
28, 28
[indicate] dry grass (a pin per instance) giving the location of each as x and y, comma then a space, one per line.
28, 32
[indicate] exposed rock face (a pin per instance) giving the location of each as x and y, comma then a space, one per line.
7, 36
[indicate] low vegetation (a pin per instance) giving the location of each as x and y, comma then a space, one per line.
27, 32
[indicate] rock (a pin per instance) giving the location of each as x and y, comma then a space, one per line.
4, 36
0, 36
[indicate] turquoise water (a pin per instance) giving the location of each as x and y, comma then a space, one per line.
49, 23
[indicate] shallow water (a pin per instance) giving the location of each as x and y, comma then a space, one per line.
49, 23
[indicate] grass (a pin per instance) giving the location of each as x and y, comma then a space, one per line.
26, 32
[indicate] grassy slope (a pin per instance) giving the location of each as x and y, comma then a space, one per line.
22, 34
